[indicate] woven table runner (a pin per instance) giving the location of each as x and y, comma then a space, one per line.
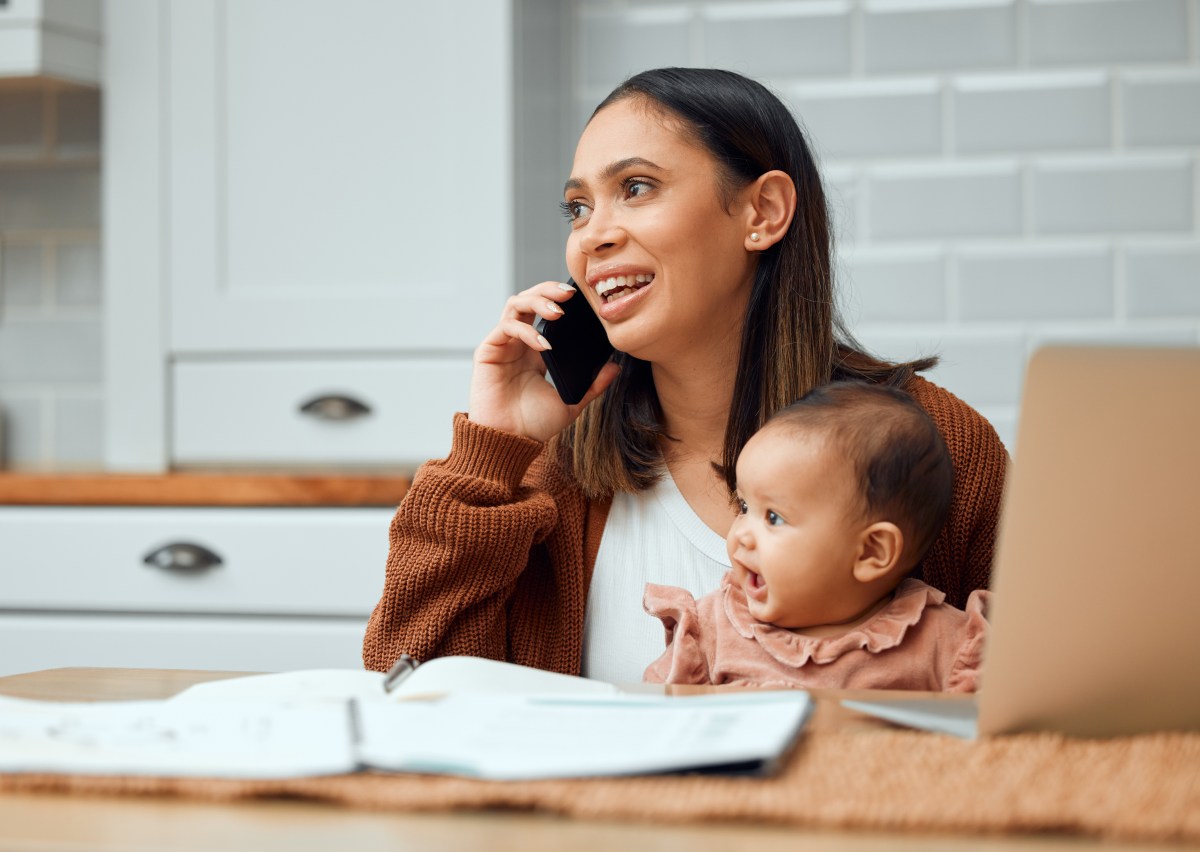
1130, 788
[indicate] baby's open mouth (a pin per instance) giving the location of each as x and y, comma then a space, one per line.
756, 580
611, 289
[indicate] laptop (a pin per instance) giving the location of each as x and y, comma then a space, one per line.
1095, 621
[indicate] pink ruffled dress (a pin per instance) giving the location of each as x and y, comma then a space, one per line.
917, 641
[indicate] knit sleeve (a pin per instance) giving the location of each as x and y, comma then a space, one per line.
960, 559
459, 543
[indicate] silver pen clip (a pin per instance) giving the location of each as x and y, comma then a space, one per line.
402, 668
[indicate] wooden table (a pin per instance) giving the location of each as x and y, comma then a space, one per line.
62, 823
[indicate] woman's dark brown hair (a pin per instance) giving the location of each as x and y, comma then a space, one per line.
792, 337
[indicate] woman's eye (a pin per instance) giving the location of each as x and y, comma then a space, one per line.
773, 519
574, 210
635, 187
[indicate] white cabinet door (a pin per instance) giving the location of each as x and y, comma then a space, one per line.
339, 176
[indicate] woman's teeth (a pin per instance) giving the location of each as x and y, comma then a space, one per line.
611, 289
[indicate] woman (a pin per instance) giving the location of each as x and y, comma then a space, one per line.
700, 235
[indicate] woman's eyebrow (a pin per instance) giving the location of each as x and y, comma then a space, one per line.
612, 170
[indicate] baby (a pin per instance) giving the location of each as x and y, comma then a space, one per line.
840, 495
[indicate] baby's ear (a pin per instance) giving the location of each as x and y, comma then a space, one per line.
879, 548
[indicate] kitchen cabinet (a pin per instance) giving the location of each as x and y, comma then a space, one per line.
296, 191
245, 589
59, 39
347, 411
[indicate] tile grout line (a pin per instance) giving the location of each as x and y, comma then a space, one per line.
1119, 259
858, 40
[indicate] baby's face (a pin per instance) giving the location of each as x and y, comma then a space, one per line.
794, 541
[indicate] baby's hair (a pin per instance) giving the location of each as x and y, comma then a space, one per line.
903, 469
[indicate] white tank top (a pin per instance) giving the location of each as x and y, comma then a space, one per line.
650, 537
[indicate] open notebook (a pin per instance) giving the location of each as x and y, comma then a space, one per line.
476, 718
1096, 577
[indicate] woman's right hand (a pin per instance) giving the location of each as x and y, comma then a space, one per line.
509, 390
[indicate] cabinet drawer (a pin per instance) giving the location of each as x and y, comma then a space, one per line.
381, 412
34, 642
272, 561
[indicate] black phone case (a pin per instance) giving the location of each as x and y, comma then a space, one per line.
579, 344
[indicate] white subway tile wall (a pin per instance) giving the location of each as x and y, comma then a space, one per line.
893, 286
1031, 112
843, 119
952, 199
51, 377
1161, 109
21, 264
27, 416
1103, 32
811, 37
608, 41
1117, 194
905, 36
77, 439
1002, 174
1042, 283
1164, 281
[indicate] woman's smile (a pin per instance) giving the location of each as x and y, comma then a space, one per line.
611, 289
619, 288
618, 303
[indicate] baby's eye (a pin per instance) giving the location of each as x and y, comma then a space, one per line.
742, 507
773, 519
574, 210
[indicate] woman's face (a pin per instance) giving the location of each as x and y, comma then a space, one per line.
655, 251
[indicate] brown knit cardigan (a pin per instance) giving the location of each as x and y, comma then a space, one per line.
491, 550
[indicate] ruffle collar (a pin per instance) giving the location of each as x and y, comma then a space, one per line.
882, 631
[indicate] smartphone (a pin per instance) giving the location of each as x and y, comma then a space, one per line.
579, 344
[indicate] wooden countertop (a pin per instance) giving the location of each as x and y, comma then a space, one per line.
200, 489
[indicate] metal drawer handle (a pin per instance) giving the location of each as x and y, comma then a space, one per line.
183, 557
335, 407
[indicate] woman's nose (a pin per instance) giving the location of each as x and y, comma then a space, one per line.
601, 233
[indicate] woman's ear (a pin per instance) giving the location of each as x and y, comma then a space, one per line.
879, 549
771, 204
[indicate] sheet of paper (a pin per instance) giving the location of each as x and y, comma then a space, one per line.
513, 737
436, 677
493, 677
309, 685
243, 739
471, 734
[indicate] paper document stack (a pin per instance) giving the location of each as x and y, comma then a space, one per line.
477, 718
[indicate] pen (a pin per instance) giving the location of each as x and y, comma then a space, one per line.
401, 669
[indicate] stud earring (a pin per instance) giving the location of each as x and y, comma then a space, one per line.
754, 236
